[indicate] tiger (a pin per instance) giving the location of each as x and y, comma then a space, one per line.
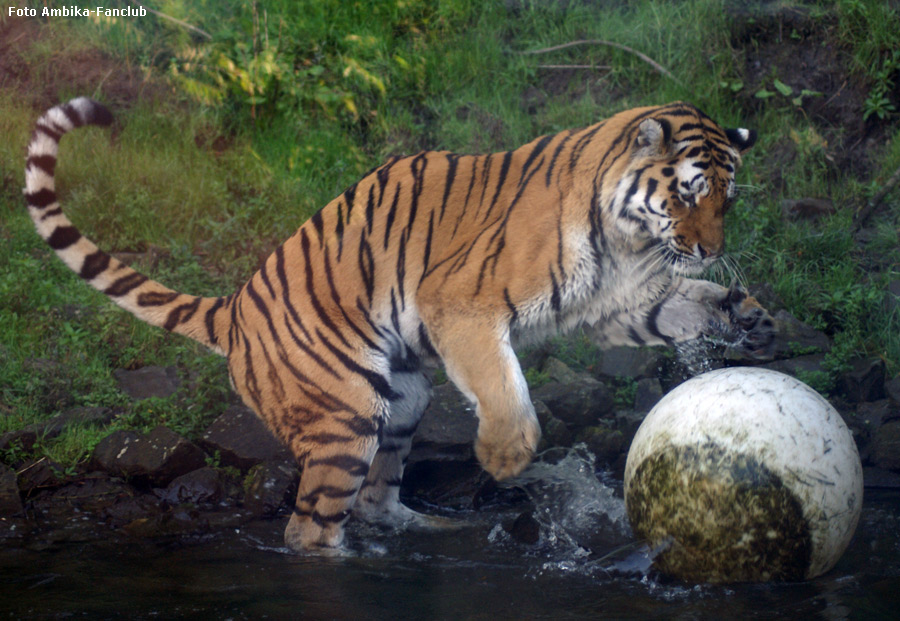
441, 258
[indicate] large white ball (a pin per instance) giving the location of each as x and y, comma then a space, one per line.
744, 474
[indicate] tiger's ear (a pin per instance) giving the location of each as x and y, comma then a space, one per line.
654, 137
741, 139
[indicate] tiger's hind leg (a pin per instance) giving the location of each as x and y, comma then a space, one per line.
336, 453
379, 498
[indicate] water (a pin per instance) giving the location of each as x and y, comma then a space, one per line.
585, 564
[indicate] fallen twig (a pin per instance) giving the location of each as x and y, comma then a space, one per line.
640, 55
866, 212
174, 20
574, 67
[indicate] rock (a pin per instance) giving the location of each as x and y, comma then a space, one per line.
605, 443
201, 486
628, 421
524, 529
880, 479
795, 338
582, 402
892, 299
148, 382
797, 367
242, 440
554, 432
10, 500
96, 493
22, 439
447, 429
157, 457
892, 389
40, 474
179, 521
864, 381
83, 415
270, 486
885, 452
649, 392
765, 294
631, 362
558, 371
806, 208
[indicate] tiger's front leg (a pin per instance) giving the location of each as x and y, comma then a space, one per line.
479, 359
691, 309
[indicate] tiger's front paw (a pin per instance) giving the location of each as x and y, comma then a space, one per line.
752, 329
505, 454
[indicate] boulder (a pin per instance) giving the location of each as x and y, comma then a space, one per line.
649, 392
885, 449
157, 457
605, 443
201, 486
148, 382
581, 402
631, 362
447, 429
554, 432
270, 486
242, 440
864, 381
10, 500
795, 338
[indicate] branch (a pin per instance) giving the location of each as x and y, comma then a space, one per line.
866, 212
640, 55
598, 67
172, 19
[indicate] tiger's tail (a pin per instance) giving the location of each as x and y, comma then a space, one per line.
196, 317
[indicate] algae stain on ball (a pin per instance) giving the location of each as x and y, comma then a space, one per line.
744, 474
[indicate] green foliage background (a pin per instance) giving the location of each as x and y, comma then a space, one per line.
241, 135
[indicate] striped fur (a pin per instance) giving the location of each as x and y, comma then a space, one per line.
453, 259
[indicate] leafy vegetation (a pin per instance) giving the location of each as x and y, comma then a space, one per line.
244, 134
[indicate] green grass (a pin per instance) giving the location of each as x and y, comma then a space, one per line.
291, 101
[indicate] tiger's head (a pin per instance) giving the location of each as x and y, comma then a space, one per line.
678, 184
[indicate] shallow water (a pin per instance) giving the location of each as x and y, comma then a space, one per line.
584, 566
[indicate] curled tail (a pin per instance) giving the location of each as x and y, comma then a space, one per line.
199, 318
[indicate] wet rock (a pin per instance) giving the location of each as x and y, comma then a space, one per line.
885, 450
806, 208
649, 392
270, 487
795, 338
202, 486
631, 362
606, 444
95, 494
892, 389
10, 500
581, 402
41, 474
524, 529
179, 521
864, 381
627, 422
148, 382
554, 432
242, 440
797, 367
879, 478
157, 457
447, 429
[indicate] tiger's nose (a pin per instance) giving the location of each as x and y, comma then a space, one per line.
710, 251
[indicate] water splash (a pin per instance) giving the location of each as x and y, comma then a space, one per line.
574, 508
